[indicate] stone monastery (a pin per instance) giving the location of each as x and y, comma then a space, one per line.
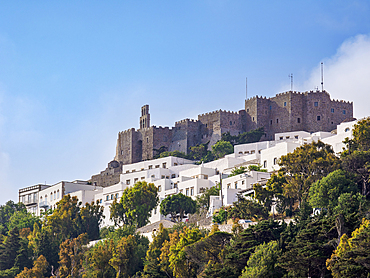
289, 111
289, 119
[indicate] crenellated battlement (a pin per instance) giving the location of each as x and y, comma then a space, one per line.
187, 120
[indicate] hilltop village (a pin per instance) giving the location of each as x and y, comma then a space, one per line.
278, 189
289, 120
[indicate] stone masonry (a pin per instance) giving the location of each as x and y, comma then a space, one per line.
289, 111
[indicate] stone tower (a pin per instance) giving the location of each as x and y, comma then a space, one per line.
145, 117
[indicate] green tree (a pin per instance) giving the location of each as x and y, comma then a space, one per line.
208, 250
97, 260
324, 193
123, 259
152, 267
222, 148
304, 166
246, 209
38, 270
91, 218
174, 153
6, 212
177, 206
244, 138
220, 216
203, 199
135, 204
198, 152
352, 256
23, 219
14, 252
70, 255
65, 221
262, 262
236, 254
179, 262
306, 254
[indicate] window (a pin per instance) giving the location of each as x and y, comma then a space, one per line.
142, 178
162, 177
175, 185
296, 136
156, 166
187, 191
270, 107
167, 177
192, 191
228, 185
101, 200
112, 196
270, 122
277, 121
253, 151
133, 170
242, 182
51, 196
287, 137
316, 104
128, 171
332, 110
142, 169
240, 152
46, 198
332, 123
147, 139
247, 109
40, 199
346, 130
173, 176
121, 152
206, 177
55, 195
152, 176
136, 179
58, 193
107, 198
236, 185
231, 122
344, 112
284, 103
117, 195
318, 118
265, 164
175, 164
150, 167
281, 137
275, 161
164, 165
299, 120
159, 188
128, 182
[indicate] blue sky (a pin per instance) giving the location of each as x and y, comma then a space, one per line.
75, 73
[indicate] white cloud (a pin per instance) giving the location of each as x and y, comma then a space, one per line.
346, 74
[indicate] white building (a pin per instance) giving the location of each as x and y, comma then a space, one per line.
29, 196
48, 197
173, 175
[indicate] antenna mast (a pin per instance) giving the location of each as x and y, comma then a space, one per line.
246, 88
322, 76
291, 81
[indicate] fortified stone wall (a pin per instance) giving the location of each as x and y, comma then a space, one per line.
289, 111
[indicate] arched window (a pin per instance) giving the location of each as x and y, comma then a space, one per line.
265, 164
55, 195
51, 196
275, 160
58, 193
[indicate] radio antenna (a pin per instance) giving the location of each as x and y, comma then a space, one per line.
291, 81
246, 88
322, 76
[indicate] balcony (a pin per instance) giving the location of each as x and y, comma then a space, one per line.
44, 205
171, 191
29, 202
